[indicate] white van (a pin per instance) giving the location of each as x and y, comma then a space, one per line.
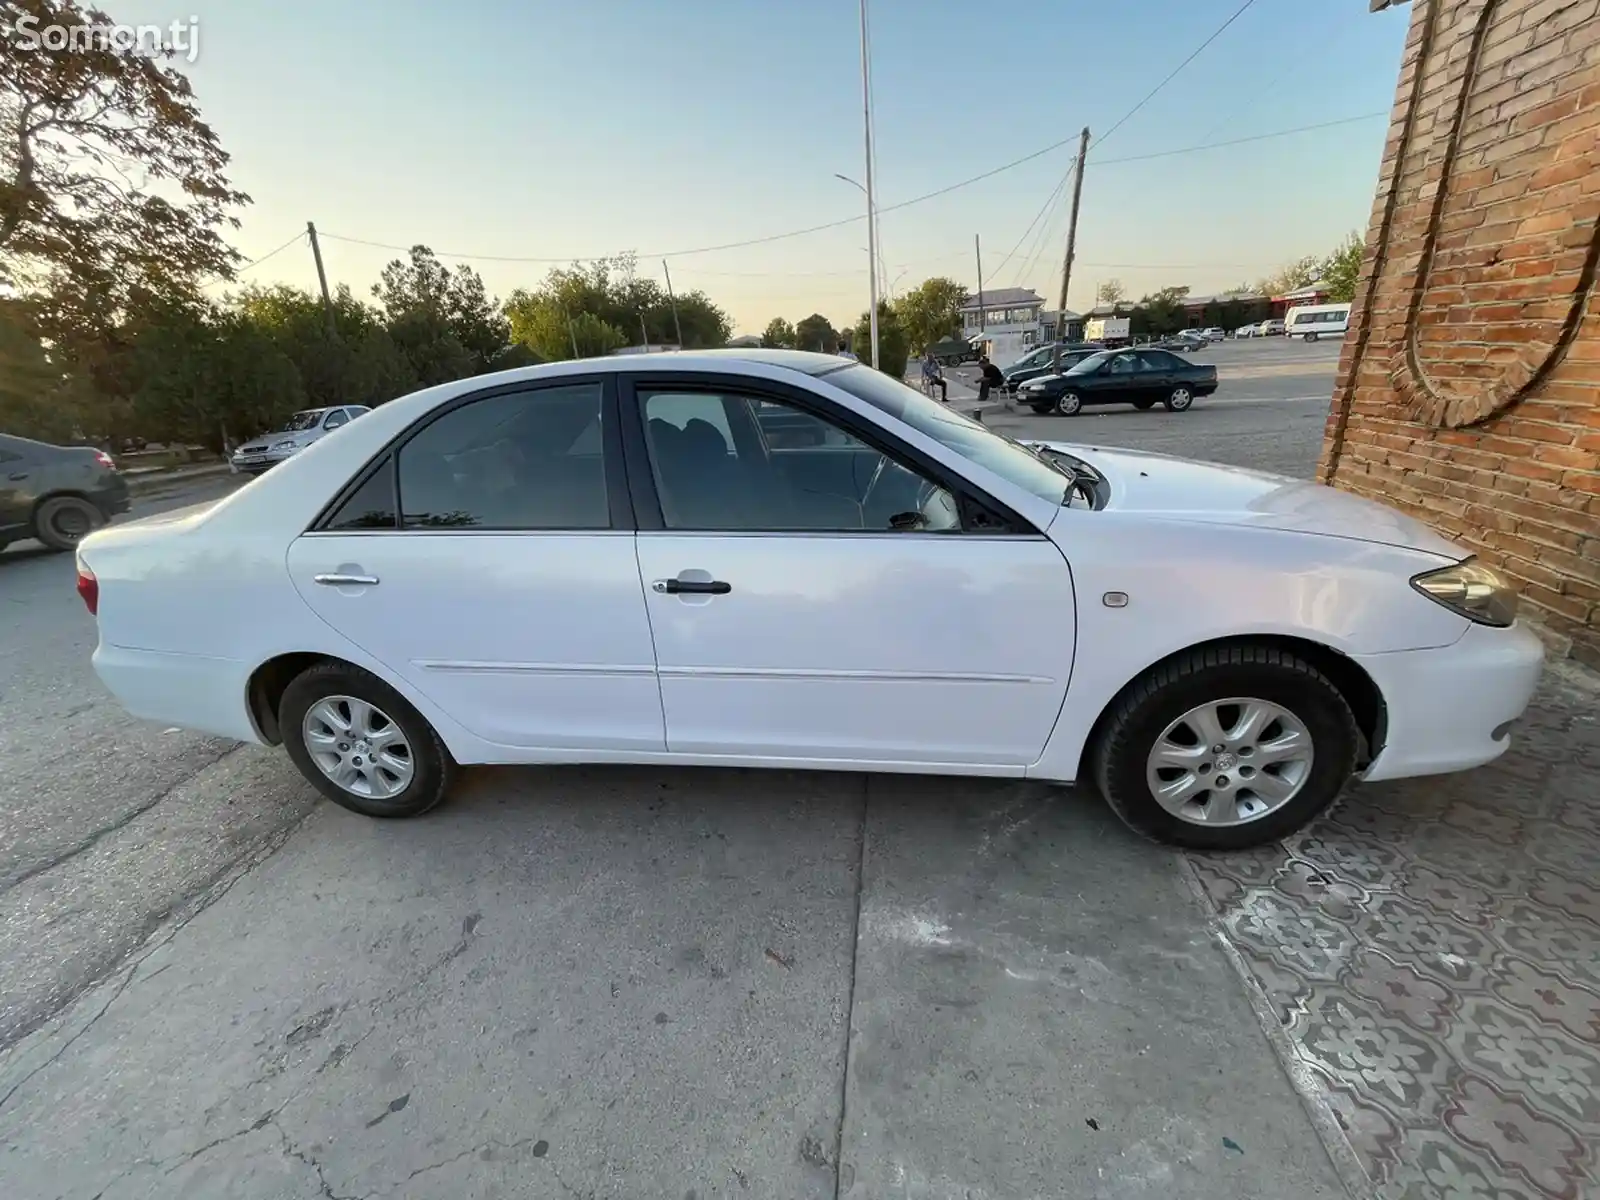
1313, 321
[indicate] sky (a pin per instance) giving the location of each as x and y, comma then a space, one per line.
527, 129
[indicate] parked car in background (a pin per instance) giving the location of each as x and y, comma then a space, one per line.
58, 494
267, 451
1272, 328
1143, 377
1309, 322
1247, 331
1185, 342
1214, 334
1041, 362
474, 574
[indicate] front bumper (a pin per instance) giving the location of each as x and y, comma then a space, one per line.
1450, 708
256, 463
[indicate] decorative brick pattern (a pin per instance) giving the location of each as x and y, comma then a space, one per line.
1469, 387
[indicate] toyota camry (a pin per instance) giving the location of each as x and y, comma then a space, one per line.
612, 561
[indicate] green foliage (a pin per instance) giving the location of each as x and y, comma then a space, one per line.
931, 311
1110, 291
817, 333
894, 345
778, 334
1159, 313
1341, 270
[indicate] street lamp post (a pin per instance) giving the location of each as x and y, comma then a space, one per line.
874, 250
872, 217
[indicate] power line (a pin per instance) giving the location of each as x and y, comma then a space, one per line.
1038, 216
839, 224
255, 262
1173, 74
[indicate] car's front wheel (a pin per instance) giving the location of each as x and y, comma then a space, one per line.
64, 521
1227, 748
361, 744
1068, 404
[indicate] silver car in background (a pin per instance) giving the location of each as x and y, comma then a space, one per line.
267, 451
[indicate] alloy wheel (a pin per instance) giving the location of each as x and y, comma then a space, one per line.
358, 747
1068, 403
1230, 762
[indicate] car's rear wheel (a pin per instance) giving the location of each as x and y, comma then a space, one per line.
1311, 337
1226, 748
1068, 404
361, 744
64, 521
1179, 400
1144, 405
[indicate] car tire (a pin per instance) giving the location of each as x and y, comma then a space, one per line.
1144, 405
1155, 710
61, 522
1311, 337
1068, 404
1181, 399
331, 693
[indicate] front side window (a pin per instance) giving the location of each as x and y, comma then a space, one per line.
518, 461
732, 462
966, 437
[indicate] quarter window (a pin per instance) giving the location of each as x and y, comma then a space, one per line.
738, 463
370, 506
522, 460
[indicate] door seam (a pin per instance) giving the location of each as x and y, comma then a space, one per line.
655, 650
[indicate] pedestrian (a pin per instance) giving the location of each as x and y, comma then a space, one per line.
988, 376
933, 377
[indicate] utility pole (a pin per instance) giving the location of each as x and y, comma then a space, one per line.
322, 278
676, 324
872, 215
977, 249
645, 342
1072, 240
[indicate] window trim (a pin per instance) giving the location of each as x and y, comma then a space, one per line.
971, 499
618, 499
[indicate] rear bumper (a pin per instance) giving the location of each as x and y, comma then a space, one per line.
190, 691
112, 498
1450, 709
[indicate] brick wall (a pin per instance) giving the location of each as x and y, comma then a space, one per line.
1469, 386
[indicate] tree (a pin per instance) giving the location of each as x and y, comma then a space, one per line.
894, 346
105, 147
1341, 270
1294, 275
816, 332
1110, 291
931, 311
778, 333
1159, 313
442, 319
621, 302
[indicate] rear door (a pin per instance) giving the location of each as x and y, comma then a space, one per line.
832, 598
487, 559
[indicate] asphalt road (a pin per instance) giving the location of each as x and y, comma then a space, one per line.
609, 982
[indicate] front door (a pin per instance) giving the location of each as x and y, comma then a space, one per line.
489, 563
813, 597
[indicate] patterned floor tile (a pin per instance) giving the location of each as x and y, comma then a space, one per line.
1432, 950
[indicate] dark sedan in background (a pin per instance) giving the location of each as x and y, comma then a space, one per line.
1140, 377
1041, 362
58, 494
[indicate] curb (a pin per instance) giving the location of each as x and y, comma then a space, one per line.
140, 484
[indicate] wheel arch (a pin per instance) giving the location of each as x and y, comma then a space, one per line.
264, 691
1355, 685
57, 494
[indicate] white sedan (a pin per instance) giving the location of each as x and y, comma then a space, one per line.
779, 559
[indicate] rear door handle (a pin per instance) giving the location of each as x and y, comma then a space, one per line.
694, 587
338, 580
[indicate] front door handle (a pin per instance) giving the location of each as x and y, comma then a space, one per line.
338, 580
691, 587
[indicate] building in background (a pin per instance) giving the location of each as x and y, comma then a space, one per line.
1469, 385
1005, 325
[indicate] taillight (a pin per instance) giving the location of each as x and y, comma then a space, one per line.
105, 460
88, 588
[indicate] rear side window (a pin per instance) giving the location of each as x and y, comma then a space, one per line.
371, 506
517, 461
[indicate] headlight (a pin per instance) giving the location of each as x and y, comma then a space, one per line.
1477, 592
289, 445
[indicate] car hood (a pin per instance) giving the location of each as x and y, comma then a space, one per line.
1162, 485
283, 435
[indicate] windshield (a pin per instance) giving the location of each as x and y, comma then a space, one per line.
966, 437
303, 420
1092, 363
